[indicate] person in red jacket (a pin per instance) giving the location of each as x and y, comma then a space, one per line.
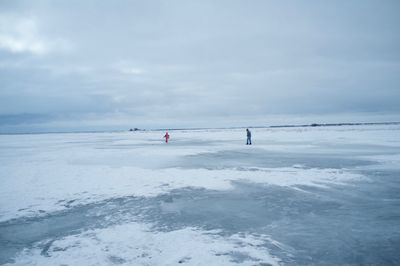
166, 136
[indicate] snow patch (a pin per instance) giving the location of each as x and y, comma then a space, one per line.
138, 244
40, 188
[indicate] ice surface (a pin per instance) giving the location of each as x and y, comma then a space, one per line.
322, 196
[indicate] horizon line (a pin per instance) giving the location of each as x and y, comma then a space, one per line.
206, 128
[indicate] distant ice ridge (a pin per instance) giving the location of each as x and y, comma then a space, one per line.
41, 188
137, 244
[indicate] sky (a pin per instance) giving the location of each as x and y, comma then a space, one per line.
110, 65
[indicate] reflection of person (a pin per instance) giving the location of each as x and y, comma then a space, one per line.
248, 137
166, 136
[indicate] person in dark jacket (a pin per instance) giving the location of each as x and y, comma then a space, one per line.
248, 137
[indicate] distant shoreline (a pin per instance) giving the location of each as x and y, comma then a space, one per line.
286, 126
209, 128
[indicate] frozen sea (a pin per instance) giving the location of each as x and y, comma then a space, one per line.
297, 196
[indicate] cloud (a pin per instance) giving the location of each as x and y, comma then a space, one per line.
16, 119
125, 67
132, 71
184, 62
22, 35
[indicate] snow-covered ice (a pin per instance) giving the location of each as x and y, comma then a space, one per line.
297, 196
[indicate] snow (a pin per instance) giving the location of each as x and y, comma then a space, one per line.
89, 167
137, 244
45, 174
35, 189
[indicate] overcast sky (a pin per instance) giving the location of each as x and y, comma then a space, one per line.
81, 65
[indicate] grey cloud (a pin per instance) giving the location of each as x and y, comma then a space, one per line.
185, 61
